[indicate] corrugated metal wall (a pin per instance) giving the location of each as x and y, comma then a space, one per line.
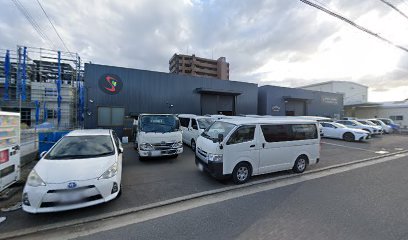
272, 101
153, 92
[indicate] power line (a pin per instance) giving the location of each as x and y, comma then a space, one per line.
353, 24
32, 21
395, 8
59, 36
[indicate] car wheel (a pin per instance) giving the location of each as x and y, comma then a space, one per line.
300, 164
242, 172
193, 145
348, 136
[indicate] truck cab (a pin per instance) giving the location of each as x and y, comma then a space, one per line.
158, 135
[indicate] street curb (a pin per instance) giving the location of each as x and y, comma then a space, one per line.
26, 232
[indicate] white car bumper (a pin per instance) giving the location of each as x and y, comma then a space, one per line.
58, 197
361, 136
157, 153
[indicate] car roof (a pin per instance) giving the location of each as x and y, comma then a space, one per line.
88, 132
253, 120
192, 116
156, 114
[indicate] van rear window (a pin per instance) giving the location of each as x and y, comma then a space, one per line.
289, 132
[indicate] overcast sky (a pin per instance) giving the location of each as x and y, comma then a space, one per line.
277, 42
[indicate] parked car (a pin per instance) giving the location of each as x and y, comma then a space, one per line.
355, 124
385, 127
369, 123
192, 127
245, 147
158, 135
395, 127
83, 168
340, 131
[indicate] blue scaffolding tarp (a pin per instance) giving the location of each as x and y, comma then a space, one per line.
59, 89
45, 116
7, 75
24, 72
37, 112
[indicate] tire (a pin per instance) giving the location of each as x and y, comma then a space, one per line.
242, 172
193, 145
348, 137
300, 164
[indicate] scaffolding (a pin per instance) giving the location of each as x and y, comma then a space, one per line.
44, 85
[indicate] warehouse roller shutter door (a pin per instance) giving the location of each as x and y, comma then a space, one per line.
295, 108
217, 104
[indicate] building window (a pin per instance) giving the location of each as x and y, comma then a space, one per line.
110, 116
51, 113
397, 118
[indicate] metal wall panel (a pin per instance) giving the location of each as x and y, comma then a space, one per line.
155, 92
271, 101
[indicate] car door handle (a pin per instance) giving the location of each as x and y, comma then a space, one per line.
263, 145
252, 146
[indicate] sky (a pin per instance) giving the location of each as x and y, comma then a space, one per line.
274, 42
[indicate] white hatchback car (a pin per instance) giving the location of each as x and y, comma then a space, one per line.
83, 168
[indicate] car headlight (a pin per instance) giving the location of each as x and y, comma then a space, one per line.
214, 157
146, 147
177, 145
34, 180
111, 172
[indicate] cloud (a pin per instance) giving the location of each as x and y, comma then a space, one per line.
251, 34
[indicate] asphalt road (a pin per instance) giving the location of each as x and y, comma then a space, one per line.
162, 179
366, 203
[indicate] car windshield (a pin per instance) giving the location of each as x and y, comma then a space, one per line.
77, 147
339, 125
387, 121
205, 122
357, 123
159, 123
218, 128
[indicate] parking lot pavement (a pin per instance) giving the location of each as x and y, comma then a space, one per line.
161, 179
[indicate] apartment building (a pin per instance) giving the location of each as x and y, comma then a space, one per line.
197, 66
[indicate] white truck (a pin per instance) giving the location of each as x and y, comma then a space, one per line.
158, 135
9, 149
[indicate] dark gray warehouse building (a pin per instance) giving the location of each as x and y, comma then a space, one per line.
115, 94
282, 101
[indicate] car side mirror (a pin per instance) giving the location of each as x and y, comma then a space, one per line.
43, 154
120, 149
220, 137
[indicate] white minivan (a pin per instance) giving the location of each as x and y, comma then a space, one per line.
192, 127
246, 147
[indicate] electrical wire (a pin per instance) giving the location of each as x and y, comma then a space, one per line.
59, 36
344, 19
395, 8
33, 22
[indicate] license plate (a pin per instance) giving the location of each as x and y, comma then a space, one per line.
169, 152
73, 196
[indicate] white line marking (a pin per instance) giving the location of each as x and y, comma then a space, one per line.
357, 148
80, 230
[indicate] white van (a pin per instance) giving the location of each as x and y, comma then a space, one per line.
245, 147
192, 127
158, 135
